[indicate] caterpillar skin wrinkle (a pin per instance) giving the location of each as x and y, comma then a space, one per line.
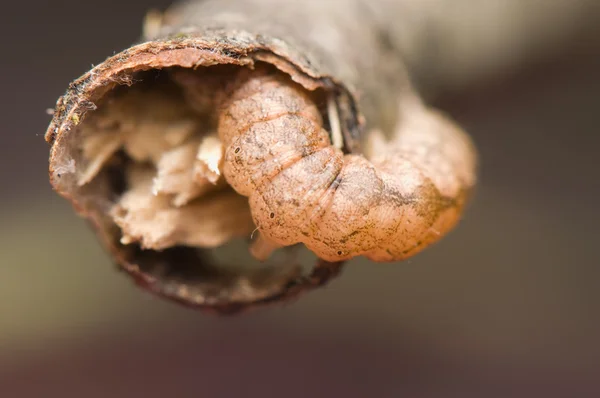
303, 189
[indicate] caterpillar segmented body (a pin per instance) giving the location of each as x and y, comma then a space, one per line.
303, 189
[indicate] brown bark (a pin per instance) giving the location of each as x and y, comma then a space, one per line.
341, 54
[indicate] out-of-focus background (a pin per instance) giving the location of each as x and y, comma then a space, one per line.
507, 305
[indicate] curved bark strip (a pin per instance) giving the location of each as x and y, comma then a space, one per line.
222, 126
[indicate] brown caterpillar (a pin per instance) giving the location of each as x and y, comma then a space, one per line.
407, 194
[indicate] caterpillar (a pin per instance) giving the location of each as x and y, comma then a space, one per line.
388, 204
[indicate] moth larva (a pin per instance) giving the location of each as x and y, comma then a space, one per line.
301, 188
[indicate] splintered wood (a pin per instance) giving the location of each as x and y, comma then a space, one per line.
175, 193
153, 221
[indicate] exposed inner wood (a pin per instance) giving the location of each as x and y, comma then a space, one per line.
175, 192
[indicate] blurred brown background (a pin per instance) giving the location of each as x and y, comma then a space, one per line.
507, 305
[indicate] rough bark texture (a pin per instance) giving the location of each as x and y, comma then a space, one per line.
342, 51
